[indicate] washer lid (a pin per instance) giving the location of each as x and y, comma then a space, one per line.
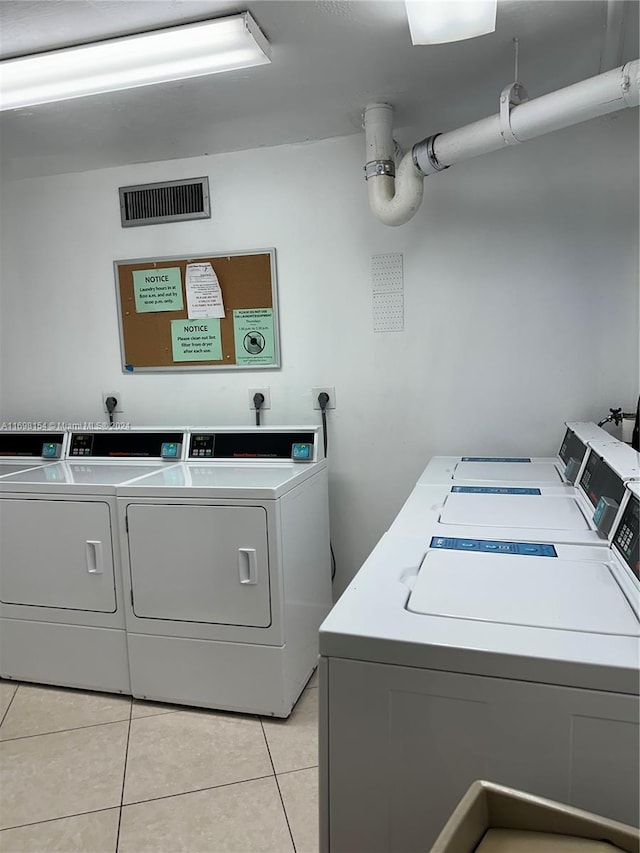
526, 511
539, 592
508, 472
7, 468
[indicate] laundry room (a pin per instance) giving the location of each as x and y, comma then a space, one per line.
496, 302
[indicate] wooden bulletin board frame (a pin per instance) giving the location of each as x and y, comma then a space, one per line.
249, 293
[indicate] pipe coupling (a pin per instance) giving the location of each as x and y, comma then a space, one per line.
374, 168
629, 84
424, 156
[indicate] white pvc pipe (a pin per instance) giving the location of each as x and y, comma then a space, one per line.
588, 99
393, 200
613, 35
396, 203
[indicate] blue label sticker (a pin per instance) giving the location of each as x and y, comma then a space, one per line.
496, 459
494, 490
529, 549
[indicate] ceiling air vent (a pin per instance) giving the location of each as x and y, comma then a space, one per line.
169, 201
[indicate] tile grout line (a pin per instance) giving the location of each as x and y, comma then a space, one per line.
142, 802
275, 776
10, 704
196, 790
62, 731
53, 819
298, 770
124, 778
182, 709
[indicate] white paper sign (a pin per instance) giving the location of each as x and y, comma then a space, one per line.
204, 295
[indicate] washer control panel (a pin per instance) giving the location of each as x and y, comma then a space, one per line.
599, 480
530, 549
47, 445
253, 445
126, 444
201, 446
626, 538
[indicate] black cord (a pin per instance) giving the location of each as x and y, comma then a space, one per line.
324, 431
258, 400
111, 404
323, 402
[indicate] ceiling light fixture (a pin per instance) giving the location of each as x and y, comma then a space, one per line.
440, 21
191, 50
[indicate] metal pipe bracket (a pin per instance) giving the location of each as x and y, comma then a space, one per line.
374, 168
511, 96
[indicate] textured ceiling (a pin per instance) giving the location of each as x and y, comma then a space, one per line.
329, 59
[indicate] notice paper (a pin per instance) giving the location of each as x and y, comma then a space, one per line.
157, 290
204, 295
254, 336
196, 341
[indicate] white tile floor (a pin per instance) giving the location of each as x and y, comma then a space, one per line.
98, 773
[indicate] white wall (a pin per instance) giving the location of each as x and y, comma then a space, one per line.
521, 300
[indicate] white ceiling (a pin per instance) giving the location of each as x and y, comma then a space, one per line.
329, 59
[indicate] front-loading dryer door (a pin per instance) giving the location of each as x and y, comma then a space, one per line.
206, 564
57, 553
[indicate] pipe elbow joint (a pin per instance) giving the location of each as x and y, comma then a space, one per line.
397, 201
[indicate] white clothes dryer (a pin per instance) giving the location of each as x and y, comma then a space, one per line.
61, 601
227, 570
560, 471
440, 666
582, 516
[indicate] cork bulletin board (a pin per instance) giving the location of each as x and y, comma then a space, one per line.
206, 312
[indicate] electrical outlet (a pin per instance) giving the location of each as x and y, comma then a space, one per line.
266, 392
117, 395
332, 397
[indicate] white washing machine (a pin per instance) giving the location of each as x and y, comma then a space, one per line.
514, 664
21, 450
228, 570
61, 602
582, 516
560, 471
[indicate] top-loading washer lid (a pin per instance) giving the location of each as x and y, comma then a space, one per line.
508, 472
526, 511
7, 468
80, 473
540, 592
88, 473
212, 475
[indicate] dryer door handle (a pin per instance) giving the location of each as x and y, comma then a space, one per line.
93, 553
248, 565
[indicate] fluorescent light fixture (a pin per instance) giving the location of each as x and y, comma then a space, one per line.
440, 21
177, 53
